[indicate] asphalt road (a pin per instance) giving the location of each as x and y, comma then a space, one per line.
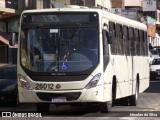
148, 106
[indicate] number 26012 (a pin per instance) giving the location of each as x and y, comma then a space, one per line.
44, 86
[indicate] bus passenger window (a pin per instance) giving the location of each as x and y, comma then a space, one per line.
142, 42
119, 37
137, 44
105, 48
146, 43
126, 40
132, 41
112, 29
135, 39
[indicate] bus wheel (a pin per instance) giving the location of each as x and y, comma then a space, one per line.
134, 98
43, 108
105, 106
114, 87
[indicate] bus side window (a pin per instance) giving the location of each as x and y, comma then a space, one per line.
146, 43
131, 41
142, 42
126, 40
105, 49
112, 30
136, 38
139, 45
119, 37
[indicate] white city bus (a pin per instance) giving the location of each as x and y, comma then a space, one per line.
80, 55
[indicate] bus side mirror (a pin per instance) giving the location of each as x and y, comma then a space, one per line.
109, 37
12, 42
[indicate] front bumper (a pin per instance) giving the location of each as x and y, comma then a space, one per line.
71, 96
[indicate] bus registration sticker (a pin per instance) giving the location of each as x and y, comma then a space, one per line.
59, 99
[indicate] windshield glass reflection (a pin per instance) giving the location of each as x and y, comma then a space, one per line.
59, 49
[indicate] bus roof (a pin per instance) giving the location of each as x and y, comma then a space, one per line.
110, 16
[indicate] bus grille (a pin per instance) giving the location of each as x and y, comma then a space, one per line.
49, 96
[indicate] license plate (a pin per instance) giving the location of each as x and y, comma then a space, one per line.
59, 99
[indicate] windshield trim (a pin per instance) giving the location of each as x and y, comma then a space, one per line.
28, 19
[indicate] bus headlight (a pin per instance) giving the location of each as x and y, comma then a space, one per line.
93, 81
24, 83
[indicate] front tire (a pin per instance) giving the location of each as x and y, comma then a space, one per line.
105, 107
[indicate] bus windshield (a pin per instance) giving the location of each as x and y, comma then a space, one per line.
69, 48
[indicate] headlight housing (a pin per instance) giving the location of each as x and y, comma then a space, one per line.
24, 83
94, 81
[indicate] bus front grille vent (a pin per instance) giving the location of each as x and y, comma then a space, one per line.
49, 96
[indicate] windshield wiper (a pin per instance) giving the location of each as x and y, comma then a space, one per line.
75, 30
42, 28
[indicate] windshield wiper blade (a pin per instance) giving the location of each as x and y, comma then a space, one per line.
42, 28
76, 29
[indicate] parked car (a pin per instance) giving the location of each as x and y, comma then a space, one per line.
155, 69
8, 84
158, 49
153, 54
